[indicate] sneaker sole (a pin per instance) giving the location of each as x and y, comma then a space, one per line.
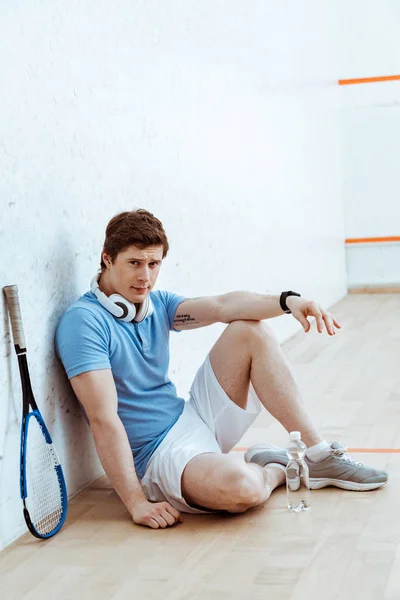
317, 484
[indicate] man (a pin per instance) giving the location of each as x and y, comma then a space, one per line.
165, 456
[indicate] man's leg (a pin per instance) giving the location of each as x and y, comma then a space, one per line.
247, 351
222, 482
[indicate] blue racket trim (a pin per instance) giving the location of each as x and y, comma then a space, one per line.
60, 475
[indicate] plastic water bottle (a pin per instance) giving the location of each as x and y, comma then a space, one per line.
297, 476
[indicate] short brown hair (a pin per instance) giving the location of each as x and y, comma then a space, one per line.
138, 227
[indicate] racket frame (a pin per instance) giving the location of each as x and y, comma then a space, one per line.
28, 400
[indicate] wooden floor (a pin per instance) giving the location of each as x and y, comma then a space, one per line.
347, 546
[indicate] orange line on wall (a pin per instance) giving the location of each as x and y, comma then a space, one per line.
366, 450
373, 240
368, 79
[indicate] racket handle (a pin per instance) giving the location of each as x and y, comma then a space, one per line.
11, 292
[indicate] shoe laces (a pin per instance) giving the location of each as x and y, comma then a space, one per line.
341, 453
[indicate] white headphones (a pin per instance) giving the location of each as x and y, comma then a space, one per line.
119, 306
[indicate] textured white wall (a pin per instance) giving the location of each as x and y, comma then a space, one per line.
196, 111
370, 124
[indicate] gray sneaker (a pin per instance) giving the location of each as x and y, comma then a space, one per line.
337, 469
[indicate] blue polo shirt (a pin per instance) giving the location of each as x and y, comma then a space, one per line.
89, 338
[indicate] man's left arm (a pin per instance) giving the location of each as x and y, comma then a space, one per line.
233, 306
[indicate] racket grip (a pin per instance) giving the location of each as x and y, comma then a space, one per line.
11, 293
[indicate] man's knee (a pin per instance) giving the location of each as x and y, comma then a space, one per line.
252, 329
246, 489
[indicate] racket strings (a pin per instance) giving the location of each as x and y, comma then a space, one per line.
44, 499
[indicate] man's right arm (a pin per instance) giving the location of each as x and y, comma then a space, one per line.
96, 391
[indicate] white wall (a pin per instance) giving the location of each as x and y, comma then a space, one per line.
200, 112
370, 47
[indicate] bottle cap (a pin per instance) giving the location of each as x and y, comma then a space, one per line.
295, 435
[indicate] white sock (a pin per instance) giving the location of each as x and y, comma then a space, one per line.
319, 451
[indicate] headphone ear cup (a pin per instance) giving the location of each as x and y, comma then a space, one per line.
146, 310
128, 308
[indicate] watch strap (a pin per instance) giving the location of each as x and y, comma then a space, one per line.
282, 301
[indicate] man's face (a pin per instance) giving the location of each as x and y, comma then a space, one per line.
133, 273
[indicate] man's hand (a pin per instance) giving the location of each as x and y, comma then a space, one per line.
155, 514
302, 308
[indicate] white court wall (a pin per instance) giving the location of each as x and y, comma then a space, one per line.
200, 112
370, 124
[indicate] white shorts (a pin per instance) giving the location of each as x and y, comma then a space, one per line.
210, 422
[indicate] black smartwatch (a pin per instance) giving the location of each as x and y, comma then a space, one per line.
282, 301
